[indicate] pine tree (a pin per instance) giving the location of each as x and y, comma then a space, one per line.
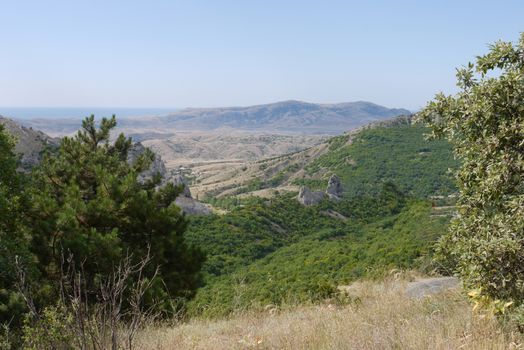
89, 204
13, 241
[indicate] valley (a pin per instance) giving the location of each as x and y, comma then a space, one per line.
264, 246
261, 175
226, 150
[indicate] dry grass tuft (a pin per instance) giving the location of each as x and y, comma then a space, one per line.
383, 318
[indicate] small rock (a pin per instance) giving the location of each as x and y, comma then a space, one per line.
308, 197
429, 286
191, 206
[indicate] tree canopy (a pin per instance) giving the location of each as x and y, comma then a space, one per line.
12, 238
485, 122
88, 203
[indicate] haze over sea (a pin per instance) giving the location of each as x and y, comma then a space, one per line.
80, 112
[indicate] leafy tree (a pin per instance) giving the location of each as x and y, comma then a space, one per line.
485, 123
89, 203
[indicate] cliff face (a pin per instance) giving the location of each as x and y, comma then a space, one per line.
185, 201
157, 167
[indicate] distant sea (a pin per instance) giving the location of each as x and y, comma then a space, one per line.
80, 112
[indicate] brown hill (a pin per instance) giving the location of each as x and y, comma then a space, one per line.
30, 143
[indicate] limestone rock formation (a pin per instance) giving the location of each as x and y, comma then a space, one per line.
185, 201
191, 206
334, 188
308, 197
178, 180
157, 167
333, 192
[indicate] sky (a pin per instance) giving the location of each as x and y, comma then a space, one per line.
125, 53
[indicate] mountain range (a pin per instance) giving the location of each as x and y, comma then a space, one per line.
287, 117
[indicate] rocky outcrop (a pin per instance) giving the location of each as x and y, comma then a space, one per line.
333, 192
191, 206
429, 286
308, 197
157, 167
334, 188
185, 201
178, 180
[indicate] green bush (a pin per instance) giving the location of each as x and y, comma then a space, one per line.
51, 331
484, 121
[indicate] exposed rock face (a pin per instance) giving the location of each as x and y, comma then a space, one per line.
157, 167
333, 192
308, 197
178, 180
185, 201
191, 206
334, 188
30, 144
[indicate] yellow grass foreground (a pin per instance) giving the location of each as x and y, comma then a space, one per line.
383, 319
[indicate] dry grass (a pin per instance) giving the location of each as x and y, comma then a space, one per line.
383, 319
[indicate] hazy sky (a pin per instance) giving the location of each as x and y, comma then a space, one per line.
220, 53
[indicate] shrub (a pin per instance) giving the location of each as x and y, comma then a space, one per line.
485, 123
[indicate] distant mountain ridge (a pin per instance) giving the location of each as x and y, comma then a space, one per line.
287, 117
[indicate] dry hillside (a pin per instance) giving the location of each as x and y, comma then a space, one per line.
380, 316
30, 143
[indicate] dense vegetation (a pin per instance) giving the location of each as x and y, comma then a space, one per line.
267, 251
270, 251
399, 154
485, 123
81, 213
13, 242
86, 200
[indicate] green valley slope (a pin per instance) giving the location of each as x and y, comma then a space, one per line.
269, 253
395, 151
272, 250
